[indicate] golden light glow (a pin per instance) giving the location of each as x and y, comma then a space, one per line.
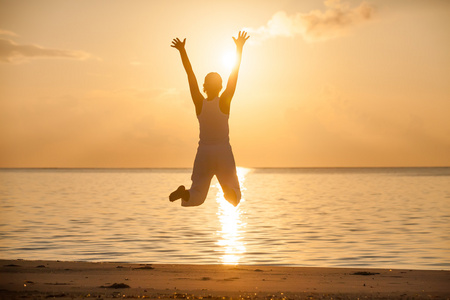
231, 219
295, 94
229, 59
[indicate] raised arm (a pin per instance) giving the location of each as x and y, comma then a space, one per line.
227, 95
196, 95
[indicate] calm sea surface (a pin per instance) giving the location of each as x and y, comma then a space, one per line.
386, 218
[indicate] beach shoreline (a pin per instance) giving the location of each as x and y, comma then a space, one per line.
27, 279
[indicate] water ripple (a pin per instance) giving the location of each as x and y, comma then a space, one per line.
393, 218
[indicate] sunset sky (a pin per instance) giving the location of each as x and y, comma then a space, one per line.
90, 83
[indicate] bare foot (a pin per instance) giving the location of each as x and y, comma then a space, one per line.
179, 193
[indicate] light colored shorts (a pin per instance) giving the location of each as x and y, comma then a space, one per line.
214, 160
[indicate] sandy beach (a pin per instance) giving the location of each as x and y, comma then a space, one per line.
67, 280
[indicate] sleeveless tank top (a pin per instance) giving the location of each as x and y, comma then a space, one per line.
213, 124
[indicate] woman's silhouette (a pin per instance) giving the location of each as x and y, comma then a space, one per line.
214, 154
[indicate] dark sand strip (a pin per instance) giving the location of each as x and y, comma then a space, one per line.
21, 279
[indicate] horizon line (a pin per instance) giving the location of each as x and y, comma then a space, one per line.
187, 168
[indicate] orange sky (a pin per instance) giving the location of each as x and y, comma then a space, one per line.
322, 84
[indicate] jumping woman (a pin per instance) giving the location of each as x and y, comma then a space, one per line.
214, 153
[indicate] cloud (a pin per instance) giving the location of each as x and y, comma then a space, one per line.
316, 25
11, 52
7, 32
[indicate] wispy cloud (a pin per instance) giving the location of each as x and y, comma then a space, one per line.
336, 20
7, 32
11, 52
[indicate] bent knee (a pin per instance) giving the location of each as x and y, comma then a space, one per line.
232, 197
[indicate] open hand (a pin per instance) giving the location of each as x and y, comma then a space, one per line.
176, 43
242, 38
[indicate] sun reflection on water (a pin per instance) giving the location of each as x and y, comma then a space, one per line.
231, 218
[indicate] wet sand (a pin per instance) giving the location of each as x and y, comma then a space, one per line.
20, 279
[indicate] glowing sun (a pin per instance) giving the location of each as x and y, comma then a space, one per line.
229, 59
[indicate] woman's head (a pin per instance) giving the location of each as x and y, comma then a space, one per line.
213, 84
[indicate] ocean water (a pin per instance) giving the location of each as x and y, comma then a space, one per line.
377, 218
